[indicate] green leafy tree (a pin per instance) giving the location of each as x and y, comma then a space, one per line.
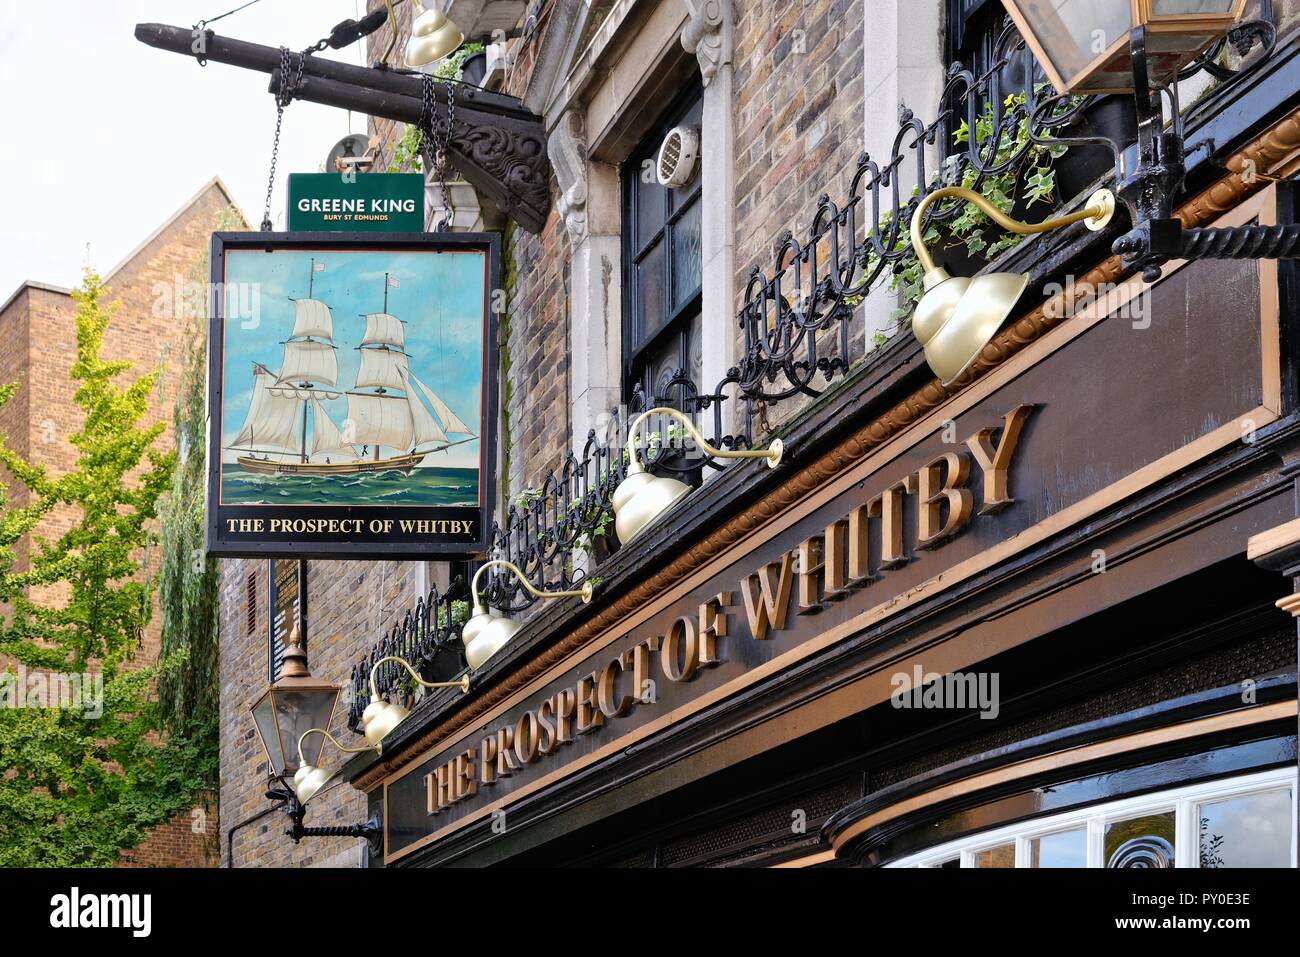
188, 581
80, 785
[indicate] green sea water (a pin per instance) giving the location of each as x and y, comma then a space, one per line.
423, 487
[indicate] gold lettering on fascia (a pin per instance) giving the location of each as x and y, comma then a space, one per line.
851, 553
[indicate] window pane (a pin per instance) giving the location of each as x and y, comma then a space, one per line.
661, 366
951, 862
686, 255
1253, 830
651, 305
649, 202
1003, 855
695, 355
1066, 849
1141, 841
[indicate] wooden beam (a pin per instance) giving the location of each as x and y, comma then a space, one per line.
496, 144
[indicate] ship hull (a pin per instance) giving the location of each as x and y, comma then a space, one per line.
397, 463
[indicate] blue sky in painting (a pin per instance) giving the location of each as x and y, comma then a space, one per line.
440, 300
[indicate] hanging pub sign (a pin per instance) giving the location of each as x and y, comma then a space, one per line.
352, 394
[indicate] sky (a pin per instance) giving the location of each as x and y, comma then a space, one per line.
439, 299
106, 138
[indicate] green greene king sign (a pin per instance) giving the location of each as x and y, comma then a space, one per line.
356, 202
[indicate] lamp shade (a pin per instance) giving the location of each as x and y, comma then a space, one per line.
292, 705
379, 718
484, 635
957, 317
1083, 45
641, 498
308, 780
433, 37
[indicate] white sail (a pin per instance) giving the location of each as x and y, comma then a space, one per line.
294, 392
311, 317
380, 420
384, 330
309, 362
381, 369
326, 436
423, 425
450, 421
273, 420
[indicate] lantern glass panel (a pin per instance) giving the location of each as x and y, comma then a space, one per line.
1184, 8
299, 711
1072, 34
264, 718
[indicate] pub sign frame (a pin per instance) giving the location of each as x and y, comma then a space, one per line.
353, 489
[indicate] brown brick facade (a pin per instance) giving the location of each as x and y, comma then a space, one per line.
349, 604
37, 350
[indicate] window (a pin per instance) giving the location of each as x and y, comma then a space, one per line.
1239, 822
662, 265
251, 598
971, 33
286, 578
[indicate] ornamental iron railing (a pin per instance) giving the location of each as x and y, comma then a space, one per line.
1004, 133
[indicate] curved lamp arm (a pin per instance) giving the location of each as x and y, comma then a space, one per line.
584, 592
303, 737
1100, 208
462, 684
772, 453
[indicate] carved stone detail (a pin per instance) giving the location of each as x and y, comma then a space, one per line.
708, 35
568, 151
1278, 145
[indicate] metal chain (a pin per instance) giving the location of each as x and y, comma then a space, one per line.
282, 99
438, 134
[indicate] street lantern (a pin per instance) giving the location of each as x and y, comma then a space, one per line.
1084, 45
292, 705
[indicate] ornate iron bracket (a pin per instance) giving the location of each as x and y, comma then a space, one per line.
1150, 187
496, 144
372, 830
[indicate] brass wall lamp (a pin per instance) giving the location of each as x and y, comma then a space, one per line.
380, 716
309, 778
487, 632
642, 497
958, 316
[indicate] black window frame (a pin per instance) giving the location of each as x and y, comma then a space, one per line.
634, 367
971, 30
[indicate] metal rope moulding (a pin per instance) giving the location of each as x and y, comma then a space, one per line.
642, 497
381, 716
957, 316
486, 632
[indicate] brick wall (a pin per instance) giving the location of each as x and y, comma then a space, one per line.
349, 604
187, 840
798, 96
537, 412
38, 348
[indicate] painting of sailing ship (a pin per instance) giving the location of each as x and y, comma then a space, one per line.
360, 382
